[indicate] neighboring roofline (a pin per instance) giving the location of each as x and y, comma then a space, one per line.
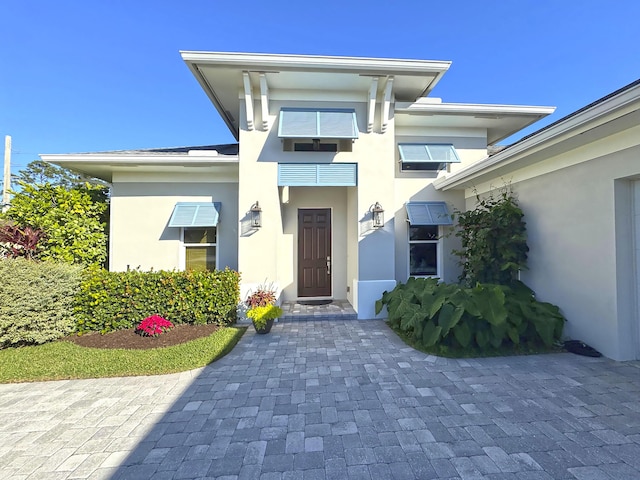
128, 158
511, 154
472, 109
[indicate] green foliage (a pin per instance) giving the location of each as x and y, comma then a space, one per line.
36, 301
481, 317
111, 301
63, 360
494, 240
40, 173
73, 221
260, 315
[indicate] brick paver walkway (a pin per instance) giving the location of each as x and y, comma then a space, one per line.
332, 400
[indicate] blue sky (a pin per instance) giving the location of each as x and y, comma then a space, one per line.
78, 76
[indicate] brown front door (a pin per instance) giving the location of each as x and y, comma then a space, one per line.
314, 252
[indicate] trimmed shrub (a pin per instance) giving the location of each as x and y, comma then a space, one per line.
111, 301
480, 317
36, 301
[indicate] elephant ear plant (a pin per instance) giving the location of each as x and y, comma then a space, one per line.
476, 318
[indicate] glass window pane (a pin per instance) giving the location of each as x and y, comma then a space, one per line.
200, 235
423, 232
423, 259
200, 258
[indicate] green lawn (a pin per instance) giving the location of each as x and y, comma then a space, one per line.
65, 360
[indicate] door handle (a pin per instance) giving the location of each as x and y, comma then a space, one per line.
328, 265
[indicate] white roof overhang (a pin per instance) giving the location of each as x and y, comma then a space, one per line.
610, 115
499, 121
226, 77
103, 165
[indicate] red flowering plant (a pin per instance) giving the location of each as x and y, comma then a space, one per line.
153, 326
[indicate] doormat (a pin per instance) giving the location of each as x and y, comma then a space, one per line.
314, 302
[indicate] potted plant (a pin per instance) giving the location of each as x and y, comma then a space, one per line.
262, 309
263, 317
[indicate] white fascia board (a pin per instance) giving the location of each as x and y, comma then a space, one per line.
519, 150
139, 159
471, 109
315, 62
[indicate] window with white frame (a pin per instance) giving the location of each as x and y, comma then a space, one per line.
423, 250
425, 237
199, 234
200, 248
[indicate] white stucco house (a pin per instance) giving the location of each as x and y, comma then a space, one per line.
346, 171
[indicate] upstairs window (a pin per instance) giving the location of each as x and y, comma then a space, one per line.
317, 129
430, 157
318, 123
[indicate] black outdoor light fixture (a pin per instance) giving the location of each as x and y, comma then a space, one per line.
256, 215
377, 212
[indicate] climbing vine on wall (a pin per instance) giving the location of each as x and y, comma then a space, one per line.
494, 240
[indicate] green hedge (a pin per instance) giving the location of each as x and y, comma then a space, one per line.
111, 301
36, 301
484, 316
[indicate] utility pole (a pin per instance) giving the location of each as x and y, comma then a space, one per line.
7, 173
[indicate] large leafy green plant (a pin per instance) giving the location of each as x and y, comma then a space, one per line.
494, 240
478, 317
72, 221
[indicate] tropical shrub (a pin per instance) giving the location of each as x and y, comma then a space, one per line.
36, 301
111, 301
479, 317
494, 240
73, 221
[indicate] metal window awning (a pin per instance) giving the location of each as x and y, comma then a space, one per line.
428, 213
318, 123
317, 175
195, 214
428, 153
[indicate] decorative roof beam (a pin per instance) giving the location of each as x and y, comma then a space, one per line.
386, 103
373, 93
248, 99
264, 100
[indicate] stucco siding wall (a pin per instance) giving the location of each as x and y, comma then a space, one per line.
578, 221
140, 213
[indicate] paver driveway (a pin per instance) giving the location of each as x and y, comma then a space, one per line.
334, 400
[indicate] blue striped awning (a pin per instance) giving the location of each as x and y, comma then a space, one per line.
317, 175
428, 153
317, 123
195, 214
428, 213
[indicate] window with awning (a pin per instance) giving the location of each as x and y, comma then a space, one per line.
318, 123
426, 156
428, 213
425, 237
195, 214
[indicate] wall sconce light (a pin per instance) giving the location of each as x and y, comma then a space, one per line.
377, 212
256, 215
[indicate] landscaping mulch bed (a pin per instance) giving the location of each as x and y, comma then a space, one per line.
131, 340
